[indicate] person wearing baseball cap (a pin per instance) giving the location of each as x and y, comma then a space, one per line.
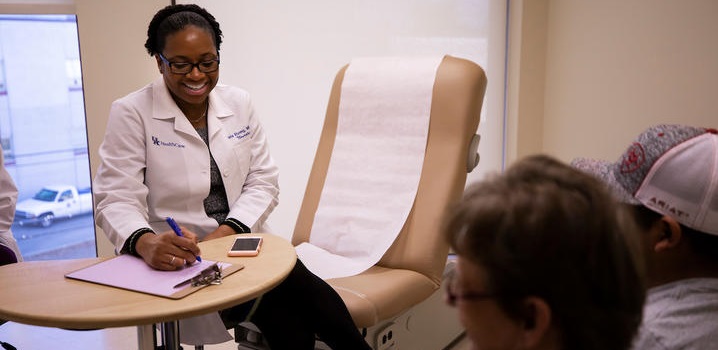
669, 178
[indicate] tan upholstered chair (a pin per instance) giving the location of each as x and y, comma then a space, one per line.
411, 270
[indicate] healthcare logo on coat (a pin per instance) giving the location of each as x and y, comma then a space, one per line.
156, 141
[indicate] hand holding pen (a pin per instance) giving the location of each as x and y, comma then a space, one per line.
178, 232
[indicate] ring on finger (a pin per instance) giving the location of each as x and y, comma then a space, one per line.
172, 260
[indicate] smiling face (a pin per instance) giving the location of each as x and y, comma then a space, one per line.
189, 45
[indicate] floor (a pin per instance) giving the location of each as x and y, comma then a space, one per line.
25, 337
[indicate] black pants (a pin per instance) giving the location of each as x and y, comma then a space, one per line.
297, 311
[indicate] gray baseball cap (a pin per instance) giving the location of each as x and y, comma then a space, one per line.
671, 169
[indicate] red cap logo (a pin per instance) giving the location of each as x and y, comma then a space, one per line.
634, 157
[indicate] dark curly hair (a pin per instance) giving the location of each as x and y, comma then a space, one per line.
174, 18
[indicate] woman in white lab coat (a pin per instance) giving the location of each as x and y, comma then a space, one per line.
187, 147
9, 251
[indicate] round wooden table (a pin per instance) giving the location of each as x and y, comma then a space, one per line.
37, 293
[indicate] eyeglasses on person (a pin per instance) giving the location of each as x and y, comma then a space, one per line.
186, 67
453, 293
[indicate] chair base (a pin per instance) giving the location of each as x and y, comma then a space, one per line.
430, 324
248, 337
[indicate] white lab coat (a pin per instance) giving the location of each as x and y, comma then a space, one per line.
155, 165
8, 199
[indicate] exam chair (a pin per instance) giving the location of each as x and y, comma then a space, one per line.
409, 274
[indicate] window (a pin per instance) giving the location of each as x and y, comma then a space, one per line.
44, 136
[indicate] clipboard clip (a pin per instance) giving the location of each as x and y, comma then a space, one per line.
209, 276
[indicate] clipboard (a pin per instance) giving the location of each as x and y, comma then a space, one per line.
132, 273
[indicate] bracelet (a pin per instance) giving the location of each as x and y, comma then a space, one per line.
131, 243
236, 225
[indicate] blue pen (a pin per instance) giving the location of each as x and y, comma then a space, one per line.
178, 231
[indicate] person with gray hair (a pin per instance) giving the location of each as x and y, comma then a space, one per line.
669, 178
546, 260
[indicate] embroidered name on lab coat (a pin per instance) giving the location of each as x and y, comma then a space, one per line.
242, 133
158, 142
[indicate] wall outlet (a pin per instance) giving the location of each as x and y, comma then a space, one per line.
386, 338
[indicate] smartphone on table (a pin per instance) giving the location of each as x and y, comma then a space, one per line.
245, 246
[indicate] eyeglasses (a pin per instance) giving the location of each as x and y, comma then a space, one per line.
453, 295
186, 67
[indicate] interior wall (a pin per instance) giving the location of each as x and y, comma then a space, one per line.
286, 54
528, 21
114, 63
36, 6
614, 67
584, 77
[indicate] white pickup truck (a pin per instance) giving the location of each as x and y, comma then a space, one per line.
53, 202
